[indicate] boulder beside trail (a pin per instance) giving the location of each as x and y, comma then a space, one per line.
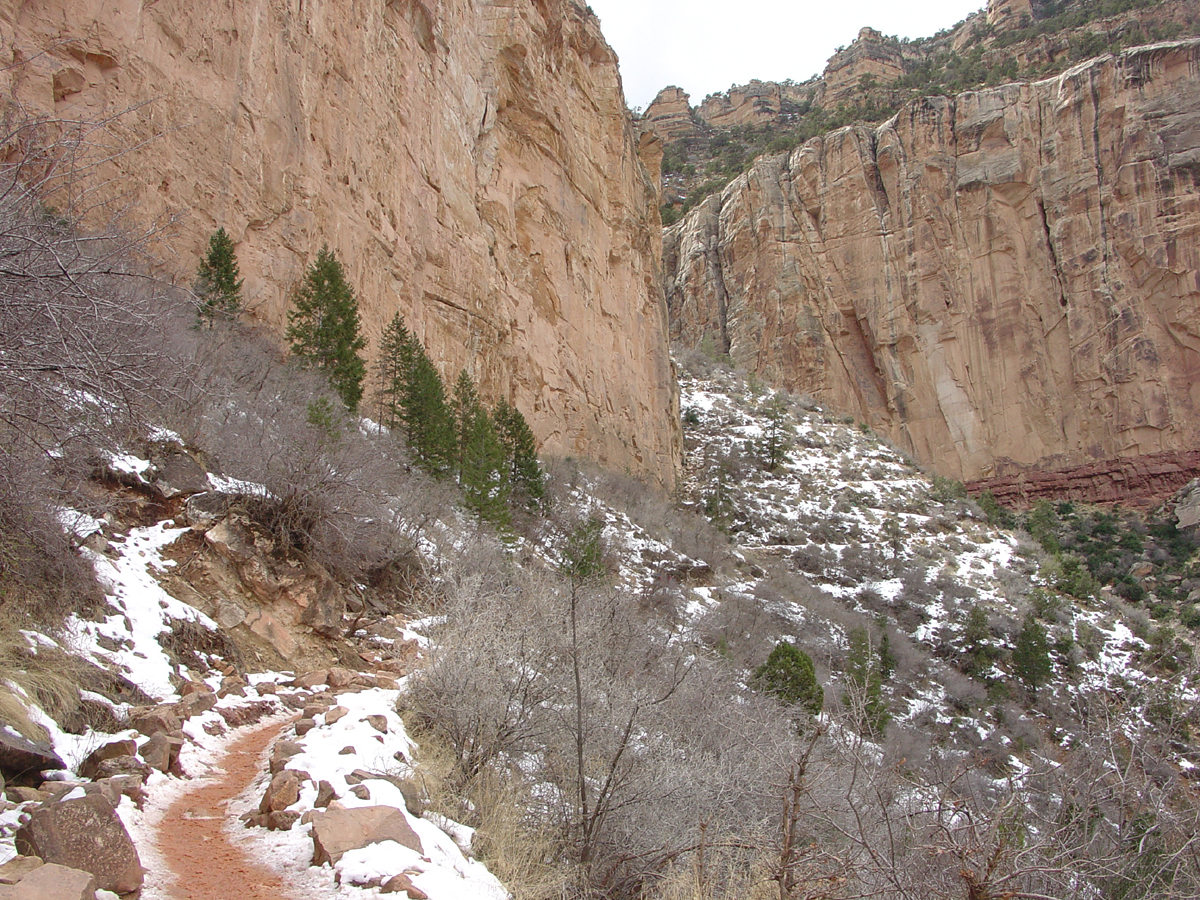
22, 761
51, 882
86, 834
338, 831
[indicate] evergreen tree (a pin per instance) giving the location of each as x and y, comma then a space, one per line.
425, 411
979, 653
788, 673
217, 283
396, 353
1031, 655
866, 683
887, 656
774, 444
324, 327
480, 463
520, 454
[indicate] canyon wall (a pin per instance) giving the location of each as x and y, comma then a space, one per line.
1004, 279
470, 161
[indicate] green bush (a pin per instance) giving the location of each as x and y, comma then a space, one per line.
788, 673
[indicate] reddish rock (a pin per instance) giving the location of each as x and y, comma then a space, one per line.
338, 831
161, 751
281, 819
402, 883
84, 833
21, 794
281, 753
246, 713
325, 795
310, 679
23, 760
17, 868
1132, 481
195, 703
123, 748
121, 766
52, 882
376, 721
283, 791
150, 720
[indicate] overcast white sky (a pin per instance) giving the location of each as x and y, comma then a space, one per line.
704, 46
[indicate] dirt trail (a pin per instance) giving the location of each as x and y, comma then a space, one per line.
204, 864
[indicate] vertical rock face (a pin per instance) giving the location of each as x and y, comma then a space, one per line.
471, 163
999, 280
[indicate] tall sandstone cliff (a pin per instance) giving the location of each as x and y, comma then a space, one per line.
471, 162
1005, 279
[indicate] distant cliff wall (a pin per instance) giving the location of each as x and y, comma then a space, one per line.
1004, 279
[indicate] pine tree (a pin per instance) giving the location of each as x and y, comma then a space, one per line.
480, 463
1031, 655
324, 327
866, 683
217, 283
887, 656
788, 673
520, 454
396, 353
426, 413
774, 444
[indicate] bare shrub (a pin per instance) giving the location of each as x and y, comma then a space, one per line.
81, 338
634, 740
304, 469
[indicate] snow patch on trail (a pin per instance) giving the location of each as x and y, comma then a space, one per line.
334, 752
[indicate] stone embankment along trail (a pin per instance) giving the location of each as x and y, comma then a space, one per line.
204, 863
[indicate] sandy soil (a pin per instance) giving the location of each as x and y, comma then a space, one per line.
204, 861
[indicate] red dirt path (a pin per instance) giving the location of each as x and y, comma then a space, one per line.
205, 865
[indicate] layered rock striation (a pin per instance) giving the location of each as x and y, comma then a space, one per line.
1004, 279
471, 163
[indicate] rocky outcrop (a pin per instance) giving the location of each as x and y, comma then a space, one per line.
471, 163
1005, 15
749, 105
670, 114
1136, 481
872, 56
1004, 279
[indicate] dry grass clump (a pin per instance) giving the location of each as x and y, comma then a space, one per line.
519, 849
